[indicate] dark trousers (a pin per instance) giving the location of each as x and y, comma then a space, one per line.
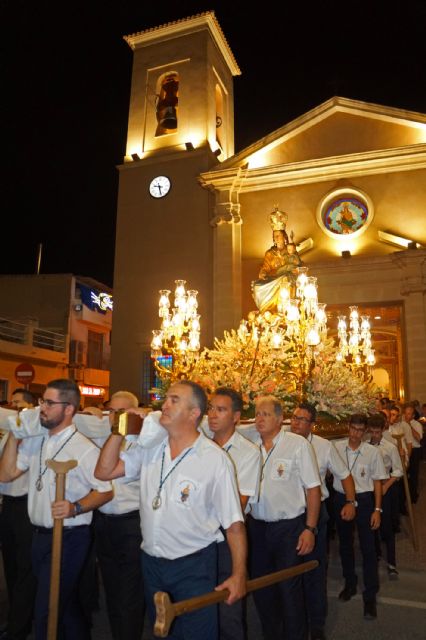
345, 531
280, 607
72, 623
231, 618
394, 500
118, 541
315, 582
413, 473
16, 534
184, 578
386, 532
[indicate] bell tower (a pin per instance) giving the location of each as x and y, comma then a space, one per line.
181, 123
182, 88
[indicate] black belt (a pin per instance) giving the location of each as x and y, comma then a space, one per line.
49, 530
122, 516
15, 498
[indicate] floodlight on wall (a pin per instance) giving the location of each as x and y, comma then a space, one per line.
135, 157
189, 146
398, 241
305, 245
346, 254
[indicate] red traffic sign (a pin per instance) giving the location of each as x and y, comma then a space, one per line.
24, 373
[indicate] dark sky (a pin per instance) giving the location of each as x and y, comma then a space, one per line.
65, 74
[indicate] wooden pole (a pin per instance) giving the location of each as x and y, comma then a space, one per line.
61, 469
166, 611
398, 437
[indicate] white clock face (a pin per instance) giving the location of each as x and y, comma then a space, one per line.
159, 186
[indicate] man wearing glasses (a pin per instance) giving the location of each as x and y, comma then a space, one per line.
365, 463
315, 582
282, 524
83, 493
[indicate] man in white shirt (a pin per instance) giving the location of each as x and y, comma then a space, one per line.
282, 525
188, 492
393, 466
416, 453
400, 427
16, 536
224, 413
365, 464
315, 582
83, 493
405, 446
117, 543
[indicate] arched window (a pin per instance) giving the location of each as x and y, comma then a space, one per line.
167, 103
219, 116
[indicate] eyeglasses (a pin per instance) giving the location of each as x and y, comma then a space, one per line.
359, 429
50, 403
300, 419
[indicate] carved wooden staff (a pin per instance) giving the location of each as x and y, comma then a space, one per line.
166, 611
398, 437
60, 469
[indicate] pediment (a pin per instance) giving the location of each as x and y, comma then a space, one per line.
338, 127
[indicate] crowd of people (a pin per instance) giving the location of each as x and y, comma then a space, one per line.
193, 503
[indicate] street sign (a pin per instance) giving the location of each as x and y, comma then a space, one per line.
24, 373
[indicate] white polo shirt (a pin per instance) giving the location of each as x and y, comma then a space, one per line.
289, 468
399, 428
18, 487
365, 465
32, 454
418, 427
328, 459
126, 494
246, 458
198, 497
391, 458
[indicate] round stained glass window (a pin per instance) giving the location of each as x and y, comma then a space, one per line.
345, 215
345, 212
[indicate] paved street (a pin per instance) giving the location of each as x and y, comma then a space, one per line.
401, 604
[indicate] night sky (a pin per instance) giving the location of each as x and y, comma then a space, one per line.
66, 74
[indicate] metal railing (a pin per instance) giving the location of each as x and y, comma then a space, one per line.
21, 333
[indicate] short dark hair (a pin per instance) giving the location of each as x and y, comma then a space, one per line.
237, 401
307, 406
377, 420
199, 395
27, 395
68, 391
358, 418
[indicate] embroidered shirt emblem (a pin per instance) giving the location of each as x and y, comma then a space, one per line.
184, 494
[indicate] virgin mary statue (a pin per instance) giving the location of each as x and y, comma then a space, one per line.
279, 266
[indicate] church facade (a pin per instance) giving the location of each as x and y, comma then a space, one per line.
350, 175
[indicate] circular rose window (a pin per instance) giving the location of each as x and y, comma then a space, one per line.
345, 212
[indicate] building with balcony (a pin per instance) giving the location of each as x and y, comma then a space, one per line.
59, 326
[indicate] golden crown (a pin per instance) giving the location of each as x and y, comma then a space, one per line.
278, 219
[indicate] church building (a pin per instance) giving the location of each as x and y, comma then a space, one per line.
350, 175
